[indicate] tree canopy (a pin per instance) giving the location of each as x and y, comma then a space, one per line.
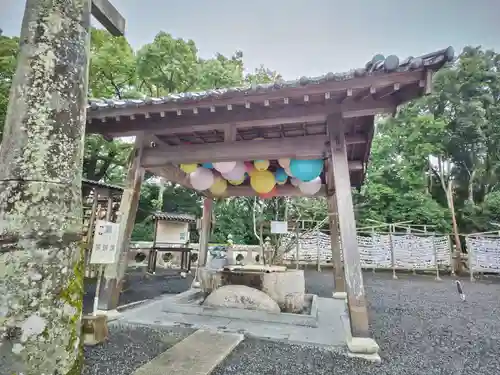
442, 147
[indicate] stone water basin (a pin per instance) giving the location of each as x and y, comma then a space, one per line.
252, 292
191, 303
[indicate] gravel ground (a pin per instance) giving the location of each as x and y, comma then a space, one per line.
129, 347
141, 286
420, 324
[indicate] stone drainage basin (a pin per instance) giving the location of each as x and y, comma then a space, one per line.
190, 303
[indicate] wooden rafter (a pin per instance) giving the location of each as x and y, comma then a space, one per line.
171, 123
307, 147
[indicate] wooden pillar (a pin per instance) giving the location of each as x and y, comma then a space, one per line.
206, 222
109, 208
338, 269
114, 273
356, 300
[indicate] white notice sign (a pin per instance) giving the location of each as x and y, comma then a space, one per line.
105, 246
280, 227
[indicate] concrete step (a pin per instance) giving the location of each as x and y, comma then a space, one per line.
198, 354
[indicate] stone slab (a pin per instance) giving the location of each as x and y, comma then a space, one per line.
198, 354
339, 295
187, 303
329, 333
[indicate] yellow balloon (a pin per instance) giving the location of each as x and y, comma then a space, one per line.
262, 181
282, 182
261, 165
189, 168
237, 182
219, 186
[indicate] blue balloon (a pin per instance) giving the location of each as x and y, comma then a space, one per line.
207, 165
306, 170
280, 175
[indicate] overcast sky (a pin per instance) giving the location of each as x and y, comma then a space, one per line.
311, 37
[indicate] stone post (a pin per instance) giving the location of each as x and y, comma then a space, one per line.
41, 258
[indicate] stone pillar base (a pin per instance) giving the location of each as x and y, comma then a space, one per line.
339, 295
363, 347
109, 314
94, 329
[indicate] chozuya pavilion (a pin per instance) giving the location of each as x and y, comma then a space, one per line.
310, 136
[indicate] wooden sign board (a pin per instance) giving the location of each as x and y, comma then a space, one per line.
105, 246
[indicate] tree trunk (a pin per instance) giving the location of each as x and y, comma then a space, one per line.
470, 187
458, 245
41, 275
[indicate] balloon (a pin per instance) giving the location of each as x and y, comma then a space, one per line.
306, 170
219, 186
280, 176
285, 163
225, 166
249, 167
262, 181
189, 168
237, 173
288, 171
295, 181
271, 194
201, 179
261, 165
237, 182
207, 165
310, 187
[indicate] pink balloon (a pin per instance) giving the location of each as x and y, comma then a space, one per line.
249, 166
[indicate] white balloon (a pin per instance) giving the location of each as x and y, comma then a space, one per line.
288, 171
284, 163
201, 179
310, 187
295, 181
237, 173
225, 166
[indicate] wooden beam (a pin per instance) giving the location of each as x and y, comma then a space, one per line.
115, 273
171, 173
109, 17
242, 118
308, 147
333, 219
176, 175
281, 191
387, 91
356, 299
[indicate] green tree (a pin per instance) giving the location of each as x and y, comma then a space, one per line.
167, 65
262, 75
9, 48
220, 72
113, 67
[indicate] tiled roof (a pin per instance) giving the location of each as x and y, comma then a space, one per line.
169, 216
377, 65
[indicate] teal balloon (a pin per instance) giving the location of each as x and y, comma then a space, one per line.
208, 165
306, 170
280, 175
